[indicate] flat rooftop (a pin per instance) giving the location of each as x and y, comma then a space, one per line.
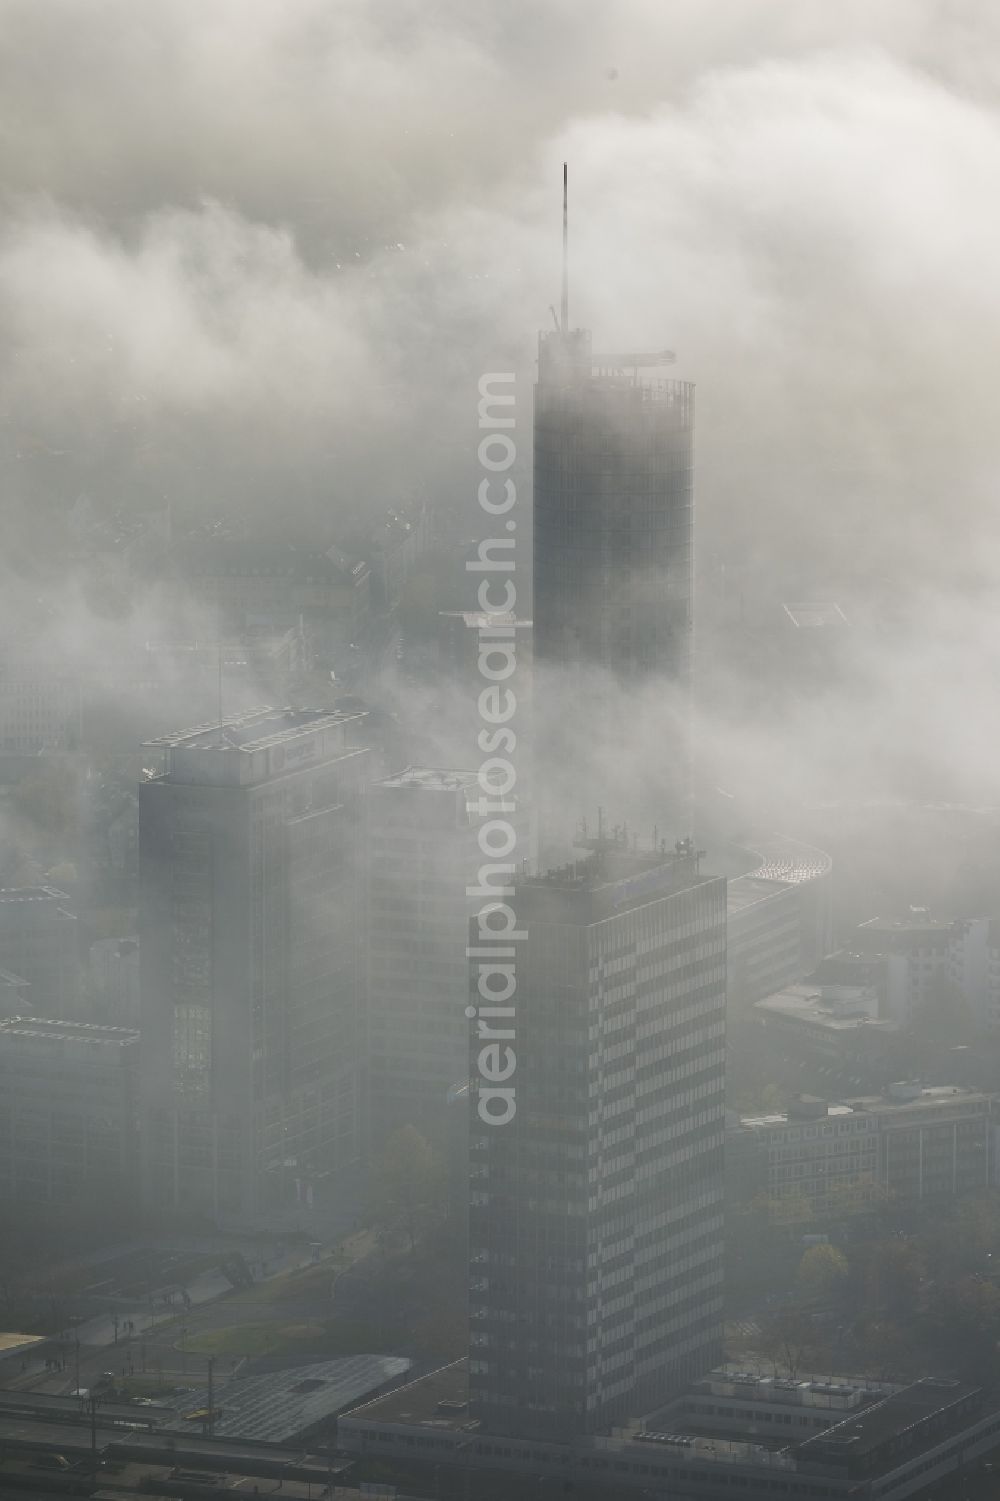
12, 894
611, 859
864, 1433
283, 1405
439, 1400
258, 729
781, 862
936, 1097
478, 620
815, 613
789, 860
918, 923
747, 891
53, 1030
782, 1118
806, 1004
430, 779
940, 1096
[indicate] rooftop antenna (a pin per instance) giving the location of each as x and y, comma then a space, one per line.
565, 259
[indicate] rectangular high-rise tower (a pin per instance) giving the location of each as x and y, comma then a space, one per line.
251, 926
612, 567
612, 513
595, 1231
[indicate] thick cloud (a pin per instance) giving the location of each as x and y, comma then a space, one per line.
255, 254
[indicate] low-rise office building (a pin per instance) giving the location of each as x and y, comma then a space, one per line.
910, 1145
725, 1436
820, 1159
935, 1142
837, 1023
929, 962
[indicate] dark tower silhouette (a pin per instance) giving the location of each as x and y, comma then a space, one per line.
613, 521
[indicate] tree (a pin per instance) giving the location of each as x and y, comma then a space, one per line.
822, 1274
408, 1190
858, 1195
888, 1351
895, 1279
969, 1239
792, 1209
963, 1328
754, 1247
790, 1338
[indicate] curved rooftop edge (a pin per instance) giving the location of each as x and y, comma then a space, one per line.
779, 916
789, 861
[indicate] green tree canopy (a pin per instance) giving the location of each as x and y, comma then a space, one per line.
822, 1274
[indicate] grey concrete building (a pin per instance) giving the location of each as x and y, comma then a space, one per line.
68, 1098
824, 1161
596, 1212
114, 979
38, 942
780, 918
422, 854
251, 934
730, 1434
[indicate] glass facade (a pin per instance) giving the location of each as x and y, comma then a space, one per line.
612, 516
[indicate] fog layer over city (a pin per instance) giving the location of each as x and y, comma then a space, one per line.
405, 1120
254, 257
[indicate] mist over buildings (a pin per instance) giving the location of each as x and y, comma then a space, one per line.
253, 257
541, 1046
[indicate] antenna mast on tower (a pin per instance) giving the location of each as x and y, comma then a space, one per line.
565, 261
